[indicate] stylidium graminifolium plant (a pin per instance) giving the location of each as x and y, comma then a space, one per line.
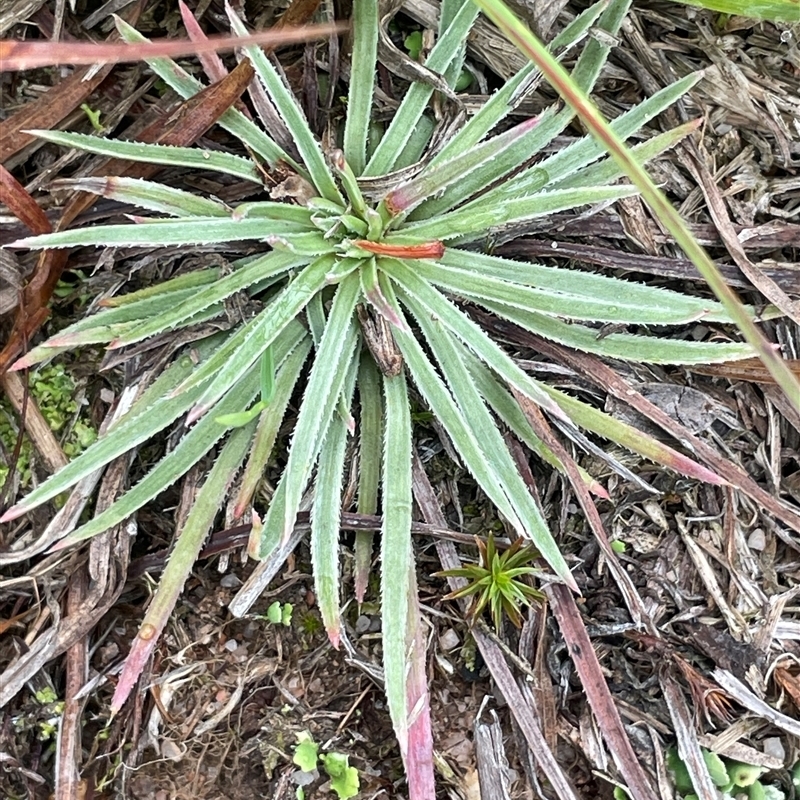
365, 288
498, 581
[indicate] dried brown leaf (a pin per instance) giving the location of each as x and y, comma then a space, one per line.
32, 55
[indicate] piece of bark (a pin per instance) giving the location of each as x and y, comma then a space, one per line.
493, 771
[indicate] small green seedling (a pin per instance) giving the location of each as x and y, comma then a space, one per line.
734, 779
94, 117
498, 581
343, 778
306, 753
279, 614
413, 44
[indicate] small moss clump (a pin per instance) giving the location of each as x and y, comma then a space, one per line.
54, 392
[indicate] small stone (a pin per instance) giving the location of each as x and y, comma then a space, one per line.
449, 640
170, 750
300, 778
231, 645
362, 624
773, 746
230, 581
757, 540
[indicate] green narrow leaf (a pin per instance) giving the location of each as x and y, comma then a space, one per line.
416, 98
585, 416
268, 375
645, 349
580, 283
772, 10
444, 407
245, 346
150, 195
607, 171
564, 163
438, 306
232, 120
322, 393
166, 233
651, 194
397, 559
507, 408
326, 519
292, 115
168, 155
194, 445
153, 412
204, 509
664, 307
449, 357
369, 465
551, 123
474, 220
270, 265
106, 334
437, 178
417, 142
506, 99
269, 425
191, 448
362, 79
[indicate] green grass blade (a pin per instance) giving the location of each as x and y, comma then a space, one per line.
397, 558
322, 393
772, 10
474, 220
448, 354
416, 99
232, 120
167, 155
187, 548
362, 80
655, 198
562, 164
608, 171
566, 162
630, 347
289, 109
